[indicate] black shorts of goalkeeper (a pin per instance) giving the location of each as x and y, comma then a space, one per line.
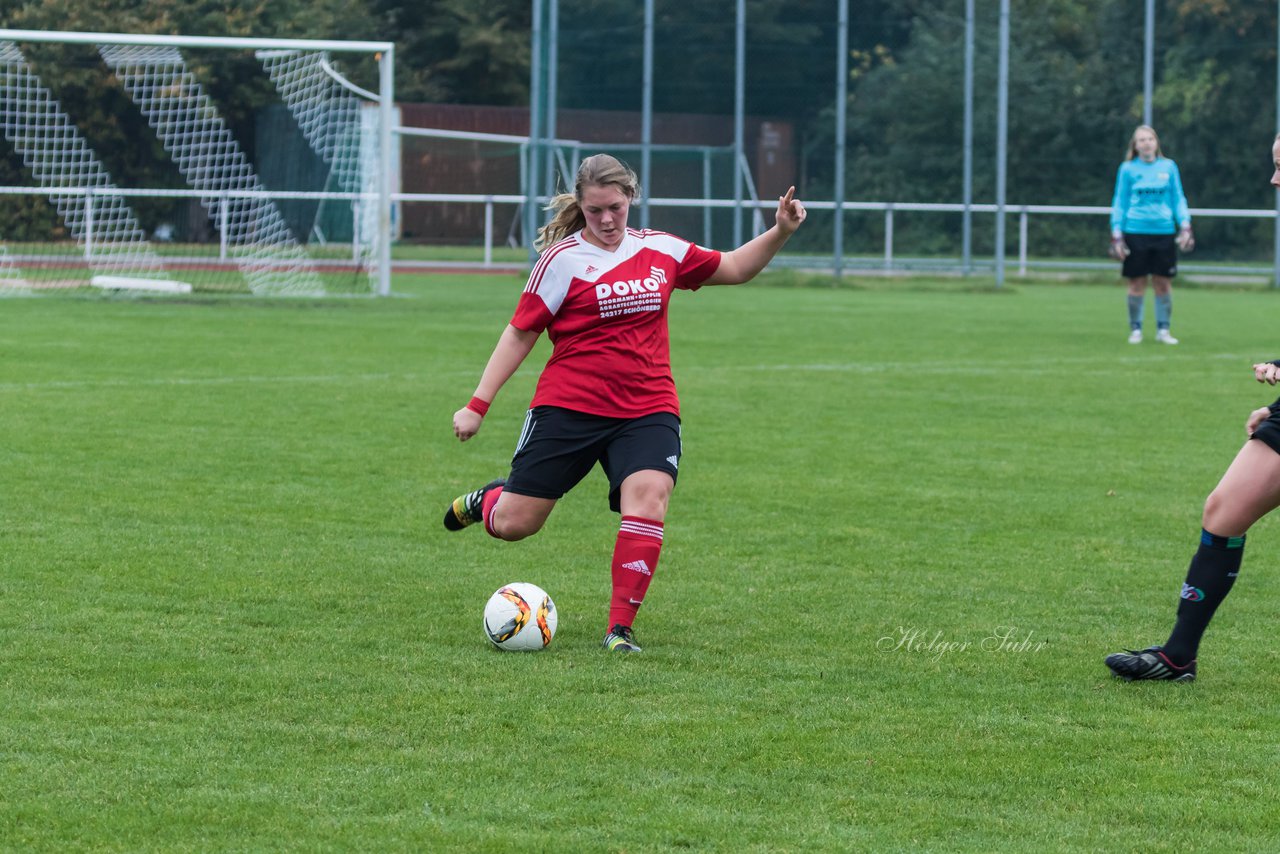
1150, 255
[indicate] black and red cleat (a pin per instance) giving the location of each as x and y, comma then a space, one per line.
1150, 663
469, 509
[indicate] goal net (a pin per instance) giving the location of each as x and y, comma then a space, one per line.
172, 164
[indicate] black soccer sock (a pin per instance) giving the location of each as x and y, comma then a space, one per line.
1209, 578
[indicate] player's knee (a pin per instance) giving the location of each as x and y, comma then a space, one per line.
1223, 516
654, 509
513, 526
514, 530
650, 501
1212, 510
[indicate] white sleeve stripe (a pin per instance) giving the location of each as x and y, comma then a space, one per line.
667, 244
540, 269
543, 260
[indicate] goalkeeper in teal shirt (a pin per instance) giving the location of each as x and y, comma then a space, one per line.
1150, 222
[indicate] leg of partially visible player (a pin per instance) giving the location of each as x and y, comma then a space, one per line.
1249, 490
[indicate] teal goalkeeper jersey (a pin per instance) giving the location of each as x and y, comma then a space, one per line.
1149, 198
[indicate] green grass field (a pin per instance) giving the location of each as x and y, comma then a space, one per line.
912, 519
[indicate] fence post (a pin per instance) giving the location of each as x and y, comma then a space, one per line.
222, 226
355, 233
706, 195
888, 237
88, 224
488, 230
1275, 271
1022, 241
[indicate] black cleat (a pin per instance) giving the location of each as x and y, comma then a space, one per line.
620, 639
1149, 663
468, 509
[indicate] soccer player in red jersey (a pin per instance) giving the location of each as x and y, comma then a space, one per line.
600, 291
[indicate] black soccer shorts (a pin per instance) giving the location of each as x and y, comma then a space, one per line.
1150, 255
1268, 431
558, 447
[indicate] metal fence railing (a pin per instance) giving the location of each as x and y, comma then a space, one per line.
890, 260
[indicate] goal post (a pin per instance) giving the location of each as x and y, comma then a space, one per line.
145, 184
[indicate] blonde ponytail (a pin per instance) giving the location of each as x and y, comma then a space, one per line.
598, 170
565, 220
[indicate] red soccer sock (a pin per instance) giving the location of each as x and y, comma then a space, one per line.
486, 510
635, 558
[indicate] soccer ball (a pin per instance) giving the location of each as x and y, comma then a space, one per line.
520, 617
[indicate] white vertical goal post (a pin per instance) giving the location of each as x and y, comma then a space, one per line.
311, 213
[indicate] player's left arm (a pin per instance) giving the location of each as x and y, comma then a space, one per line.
1181, 211
742, 264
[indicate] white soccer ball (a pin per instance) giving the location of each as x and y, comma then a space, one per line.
520, 617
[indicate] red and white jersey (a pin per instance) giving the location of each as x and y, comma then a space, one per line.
606, 315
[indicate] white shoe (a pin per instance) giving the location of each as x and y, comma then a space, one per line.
1164, 337
1135, 337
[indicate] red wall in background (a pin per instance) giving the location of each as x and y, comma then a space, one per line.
456, 166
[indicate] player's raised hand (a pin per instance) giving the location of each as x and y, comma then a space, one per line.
1267, 372
791, 212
